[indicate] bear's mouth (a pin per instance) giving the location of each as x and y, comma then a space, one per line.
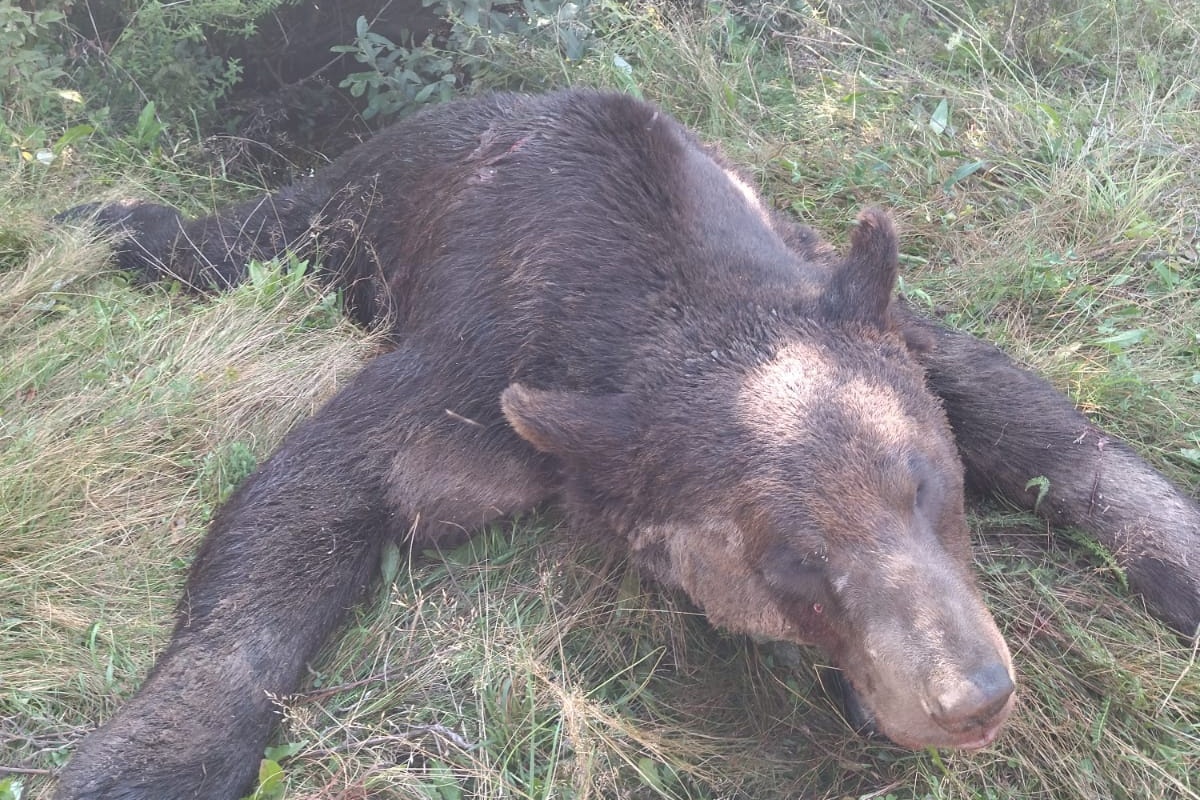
837, 687
862, 719
988, 734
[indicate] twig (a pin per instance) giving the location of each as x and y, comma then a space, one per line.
24, 771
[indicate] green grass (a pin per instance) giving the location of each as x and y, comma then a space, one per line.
1041, 161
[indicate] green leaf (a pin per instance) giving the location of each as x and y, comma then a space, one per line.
1043, 488
423, 95
939, 121
1124, 338
148, 128
283, 751
389, 564
11, 789
965, 171
1192, 454
624, 76
297, 268
648, 769
270, 781
72, 135
146, 117
254, 271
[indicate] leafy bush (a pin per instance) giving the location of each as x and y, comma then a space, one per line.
31, 59
69, 69
115, 66
398, 77
163, 53
401, 76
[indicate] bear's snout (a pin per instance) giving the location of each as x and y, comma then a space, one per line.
974, 701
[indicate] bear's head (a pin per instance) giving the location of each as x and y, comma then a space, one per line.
801, 483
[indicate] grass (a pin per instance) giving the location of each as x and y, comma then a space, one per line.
1041, 159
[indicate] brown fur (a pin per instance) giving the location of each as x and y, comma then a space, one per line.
590, 306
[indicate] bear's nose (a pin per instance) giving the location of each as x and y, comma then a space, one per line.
974, 700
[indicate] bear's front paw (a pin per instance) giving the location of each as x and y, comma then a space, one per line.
158, 755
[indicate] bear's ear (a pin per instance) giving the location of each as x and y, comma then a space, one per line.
570, 425
861, 286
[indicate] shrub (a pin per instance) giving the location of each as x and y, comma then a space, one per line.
401, 76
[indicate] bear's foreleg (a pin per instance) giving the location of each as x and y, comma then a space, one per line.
1024, 441
285, 558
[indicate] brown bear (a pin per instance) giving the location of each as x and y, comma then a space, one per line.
590, 307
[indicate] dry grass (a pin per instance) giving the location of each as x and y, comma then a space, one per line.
529, 664
123, 415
